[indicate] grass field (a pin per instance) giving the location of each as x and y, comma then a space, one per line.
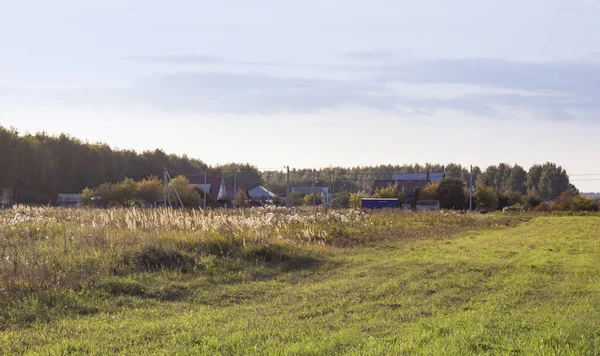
372, 284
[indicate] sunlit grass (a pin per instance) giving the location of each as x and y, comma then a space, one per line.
381, 283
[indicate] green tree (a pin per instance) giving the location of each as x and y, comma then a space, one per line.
87, 197
125, 191
487, 196
189, 196
451, 193
547, 181
430, 192
517, 180
149, 189
106, 195
512, 197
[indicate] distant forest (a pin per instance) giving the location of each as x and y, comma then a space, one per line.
39, 166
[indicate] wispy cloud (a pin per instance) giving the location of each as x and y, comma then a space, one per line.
487, 87
180, 59
376, 55
577, 77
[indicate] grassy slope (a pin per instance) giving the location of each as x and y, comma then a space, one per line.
532, 289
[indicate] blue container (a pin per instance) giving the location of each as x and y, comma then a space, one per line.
379, 203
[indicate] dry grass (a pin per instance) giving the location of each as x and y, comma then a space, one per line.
49, 248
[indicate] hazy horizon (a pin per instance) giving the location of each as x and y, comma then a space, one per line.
312, 84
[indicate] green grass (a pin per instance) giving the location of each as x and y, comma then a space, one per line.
529, 289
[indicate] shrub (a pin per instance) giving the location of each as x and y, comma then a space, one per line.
277, 201
355, 200
296, 199
341, 200
542, 207
581, 203
391, 191
510, 198
532, 201
312, 199
563, 202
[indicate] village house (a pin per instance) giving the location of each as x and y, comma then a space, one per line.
68, 200
261, 193
214, 186
322, 191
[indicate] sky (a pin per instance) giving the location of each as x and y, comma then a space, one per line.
312, 83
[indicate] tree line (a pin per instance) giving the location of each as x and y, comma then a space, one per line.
546, 181
37, 167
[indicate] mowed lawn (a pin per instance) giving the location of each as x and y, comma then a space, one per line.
533, 289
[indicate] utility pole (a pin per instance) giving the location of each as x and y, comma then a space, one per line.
313, 188
332, 183
176, 192
165, 187
287, 200
471, 189
204, 189
235, 189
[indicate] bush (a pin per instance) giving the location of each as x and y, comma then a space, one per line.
569, 201
355, 200
532, 201
581, 203
542, 207
391, 191
563, 202
277, 201
312, 199
509, 198
341, 200
296, 199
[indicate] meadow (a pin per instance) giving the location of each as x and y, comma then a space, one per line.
297, 282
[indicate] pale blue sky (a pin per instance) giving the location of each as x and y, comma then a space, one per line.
312, 83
